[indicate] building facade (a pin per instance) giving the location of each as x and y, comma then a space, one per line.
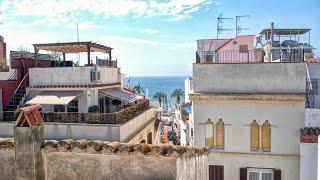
250, 116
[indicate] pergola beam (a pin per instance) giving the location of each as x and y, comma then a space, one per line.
74, 47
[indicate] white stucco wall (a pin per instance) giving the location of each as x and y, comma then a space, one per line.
285, 119
249, 78
232, 163
187, 89
129, 128
71, 75
312, 118
308, 161
7, 75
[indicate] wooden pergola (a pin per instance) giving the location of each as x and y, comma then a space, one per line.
72, 47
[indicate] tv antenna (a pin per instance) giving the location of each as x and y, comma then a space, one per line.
238, 27
220, 28
78, 39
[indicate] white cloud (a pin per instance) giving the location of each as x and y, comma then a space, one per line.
54, 12
139, 41
130, 40
150, 31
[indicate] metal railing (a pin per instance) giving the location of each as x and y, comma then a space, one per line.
285, 56
229, 56
252, 56
119, 117
108, 63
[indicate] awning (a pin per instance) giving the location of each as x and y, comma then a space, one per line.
54, 97
121, 95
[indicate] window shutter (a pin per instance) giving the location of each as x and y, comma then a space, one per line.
220, 134
277, 174
266, 136
243, 173
254, 136
216, 172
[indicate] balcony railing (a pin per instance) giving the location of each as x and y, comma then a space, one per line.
230, 56
253, 56
108, 63
119, 117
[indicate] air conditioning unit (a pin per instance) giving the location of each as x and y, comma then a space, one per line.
95, 75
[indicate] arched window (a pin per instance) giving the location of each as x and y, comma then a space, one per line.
149, 138
266, 136
220, 134
209, 141
142, 141
254, 136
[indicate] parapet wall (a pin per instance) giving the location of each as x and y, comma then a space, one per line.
81, 160
261, 78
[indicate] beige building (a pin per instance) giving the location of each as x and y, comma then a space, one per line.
250, 115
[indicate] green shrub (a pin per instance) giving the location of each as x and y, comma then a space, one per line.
94, 109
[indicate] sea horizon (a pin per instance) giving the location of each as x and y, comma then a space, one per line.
154, 84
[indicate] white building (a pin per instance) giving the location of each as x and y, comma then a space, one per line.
249, 104
256, 113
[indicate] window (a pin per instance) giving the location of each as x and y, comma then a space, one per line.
243, 49
220, 134
149, 138
254, 136
260, 174
266, 136
209, 141
209, 58
72, 106
216, 172
95, 75
58, 108
98, 75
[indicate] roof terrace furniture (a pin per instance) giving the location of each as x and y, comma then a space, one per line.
72, 47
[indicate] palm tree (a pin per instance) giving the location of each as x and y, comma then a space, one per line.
138, 89
177, 93
159, 96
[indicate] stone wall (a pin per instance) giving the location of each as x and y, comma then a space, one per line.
7, 169
81, 160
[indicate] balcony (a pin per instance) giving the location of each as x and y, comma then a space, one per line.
119, 117
254, 56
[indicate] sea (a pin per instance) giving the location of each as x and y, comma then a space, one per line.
154, 84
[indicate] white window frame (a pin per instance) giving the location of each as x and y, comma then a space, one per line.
260, 171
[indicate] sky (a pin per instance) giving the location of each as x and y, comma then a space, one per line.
150, 38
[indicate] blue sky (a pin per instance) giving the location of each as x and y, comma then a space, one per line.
148, 37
